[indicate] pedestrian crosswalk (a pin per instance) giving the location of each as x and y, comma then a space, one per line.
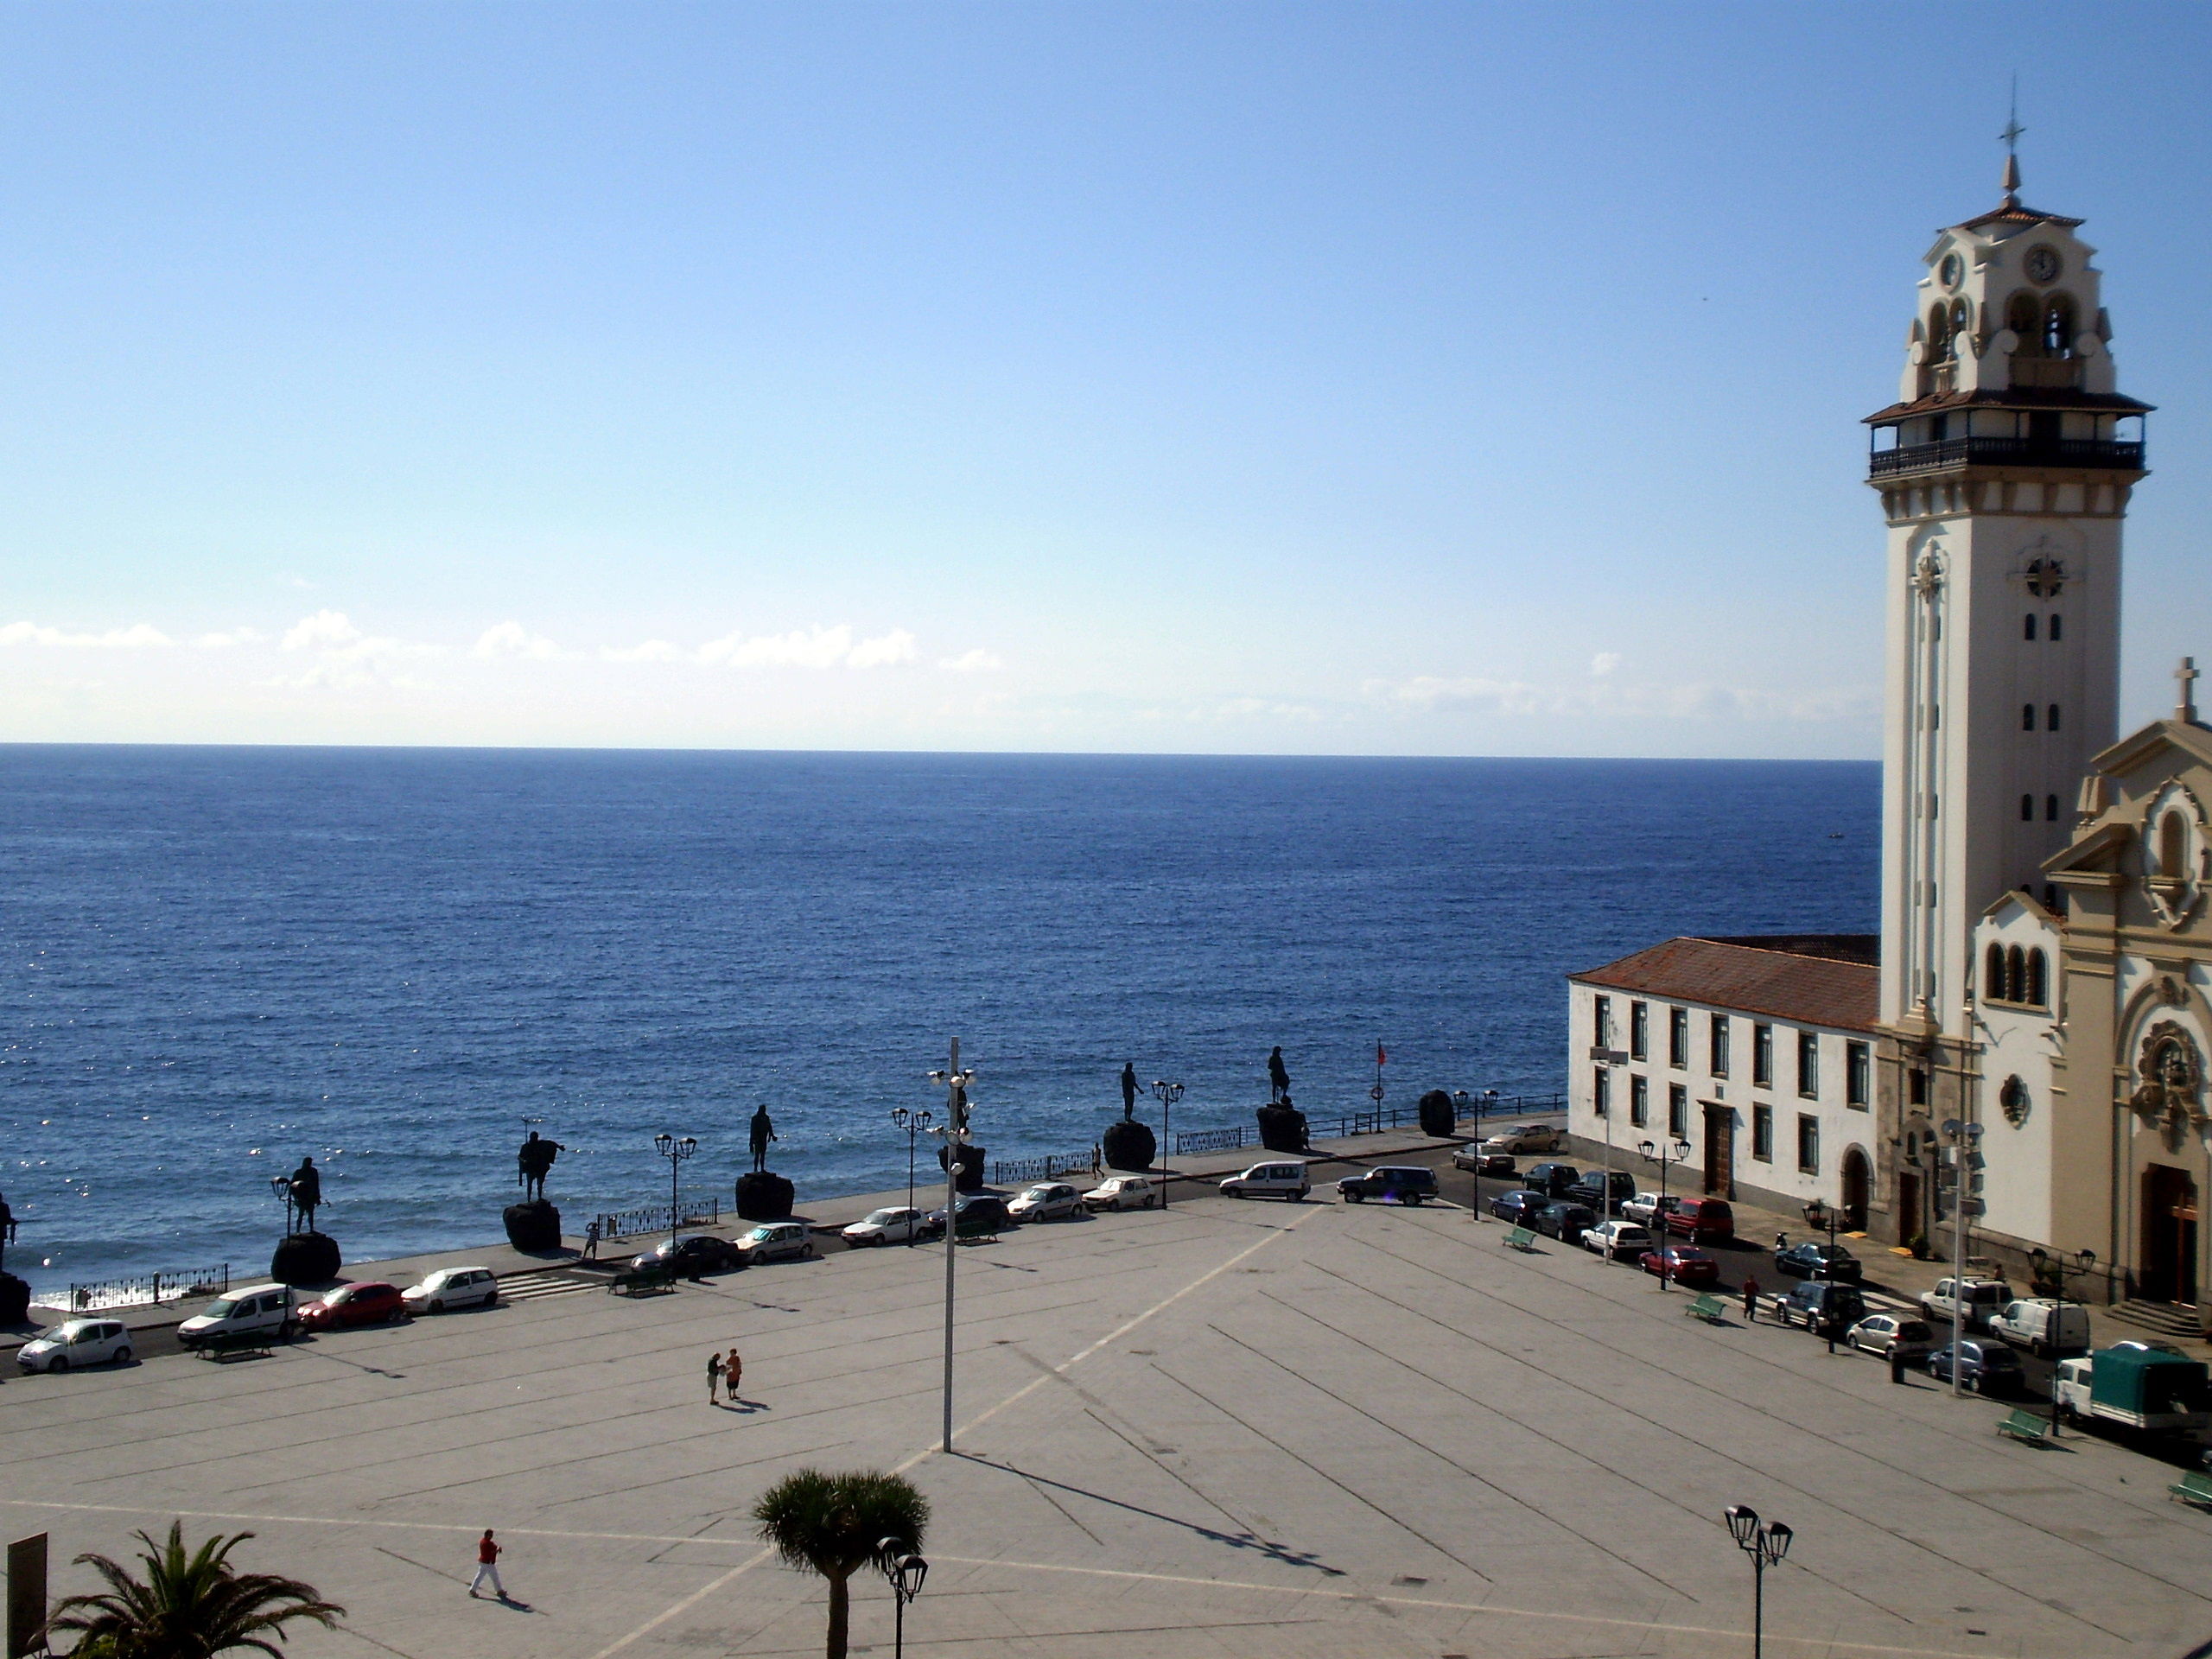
539, 1282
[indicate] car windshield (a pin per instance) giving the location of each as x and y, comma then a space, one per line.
1038, 1192
221, 1307
883, 1217
762, 1235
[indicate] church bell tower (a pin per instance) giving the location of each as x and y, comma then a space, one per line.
2004, 470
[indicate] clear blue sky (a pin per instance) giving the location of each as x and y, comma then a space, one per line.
1390, 378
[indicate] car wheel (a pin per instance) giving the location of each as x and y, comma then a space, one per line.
437, 1308
395, 1316
56, 1366
121, 1355
1352, 1197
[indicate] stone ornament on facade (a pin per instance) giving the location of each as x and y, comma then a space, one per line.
2173, 832
2170, 1093
2013, 1098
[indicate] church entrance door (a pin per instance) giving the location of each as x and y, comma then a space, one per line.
2169, 1259
1719, 1150
1858, 1178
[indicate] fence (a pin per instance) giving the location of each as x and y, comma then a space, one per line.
1475, 1108
149, 1289
1013, 1172
699, 1210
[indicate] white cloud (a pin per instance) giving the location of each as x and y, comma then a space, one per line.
234, 636
653, 650
977, 661
138, 636
345, 655
324, 631
1609, 698
883, 651
512, 639
816, 647
1604, 663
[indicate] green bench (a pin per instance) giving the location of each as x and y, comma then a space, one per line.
1711, 1309
224, 1346
2024, 1426
2192, 1489
633, 1281
1520, 1239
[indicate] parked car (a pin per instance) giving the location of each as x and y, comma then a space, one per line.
2043, 1326
1685, 1264
369, 1302
1597, 1187
1891, 1333
1123, 1192
1977, 1299
264, 1310
1390, 1182
1649, 1208
691, 1255
1984, 1365
892, 1226
775, 1241
1476, 1161
983, 1215
1703, 1220
1564, 1221
1520, 1207
1291, 1181
75, 1344
452, 1287
1527, 1137
1551, 1180
1617, 1241
1822, 1306
1814, 1260
1047, 1201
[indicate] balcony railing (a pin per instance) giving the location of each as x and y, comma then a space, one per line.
2006, 452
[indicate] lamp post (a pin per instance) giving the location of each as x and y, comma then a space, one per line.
2056, 1266
914, 1124
1965, 1144
954, 1130
1666, 1154
282, 1186
676, 1149
1167, 1094
1766, 1546
905, 1571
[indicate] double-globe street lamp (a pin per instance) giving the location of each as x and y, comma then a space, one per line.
905, 1570
914, 1124
1167, 1094
676, 1149
1766, 1544
954, 1130
1666, 1154
2056, 1267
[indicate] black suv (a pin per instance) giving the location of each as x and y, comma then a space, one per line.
1520, 1207
1820, 1307
1566, 1222
1552, 1178
1407, 1183
1591, 1189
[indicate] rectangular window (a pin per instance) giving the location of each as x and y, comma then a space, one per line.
1916, 1087
1678, 1111
1857, 1076
1763, 1134
1808, 1065
1601, 1021
1762, 1057
1601, 1091
1639, 1101
1678, 1038
1809, 1144
1718, 1044
1639, 1030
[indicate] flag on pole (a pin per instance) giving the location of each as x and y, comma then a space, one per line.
1381, 1058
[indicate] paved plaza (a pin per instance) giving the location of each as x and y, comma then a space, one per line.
1258, 1429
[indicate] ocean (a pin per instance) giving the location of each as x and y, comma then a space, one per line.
216, 960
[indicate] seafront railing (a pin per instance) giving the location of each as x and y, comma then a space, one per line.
701, 1210
1013, 1172
148, 1289
1343, 1128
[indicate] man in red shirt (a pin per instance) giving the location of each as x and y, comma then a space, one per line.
488, 1567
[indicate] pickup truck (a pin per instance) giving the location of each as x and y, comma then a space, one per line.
1982, 1297
2148, 1389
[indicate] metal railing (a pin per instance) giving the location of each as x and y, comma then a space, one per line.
148, 1289
700, 1209
1345, 1127
2006, 452
1013, 1172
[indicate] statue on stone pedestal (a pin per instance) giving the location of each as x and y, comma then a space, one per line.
1278, 1078
764, 1131
7, 1229
307, 1193
534, 1162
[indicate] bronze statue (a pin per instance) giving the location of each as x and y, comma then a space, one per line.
306, 1194
534, 1162
764, 1131
7, 1229
1129, 1089
1278, 1078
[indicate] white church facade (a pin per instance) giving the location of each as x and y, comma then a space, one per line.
2028, 1031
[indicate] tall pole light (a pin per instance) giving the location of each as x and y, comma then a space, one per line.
1167, 1095
676, 1149
1965, 1144
1666, 1154
1766, 1546
905, 1571
282, 1186
954, 1130
914, 1124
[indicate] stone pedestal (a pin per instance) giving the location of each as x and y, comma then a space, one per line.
533, 1225
1282, 1128
15, 1300
970, 1178
1128, 1145
305, 1259
763, 1195
1438, 1117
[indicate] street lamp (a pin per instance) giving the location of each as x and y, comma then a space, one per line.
1966, 1151
281, 1186
2055, 1267
954, 1130
1766, 1546
905, 1571
675, 1151
1167, 1094
1666, 1154
914, 1124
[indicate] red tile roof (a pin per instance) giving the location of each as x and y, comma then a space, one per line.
1815, 981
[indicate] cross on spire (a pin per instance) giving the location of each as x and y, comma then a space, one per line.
2010, 139
2185, 692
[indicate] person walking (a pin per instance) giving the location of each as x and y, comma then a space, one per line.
488, 1567
591, 1240
713, 1375
1750, 1300
733, 1372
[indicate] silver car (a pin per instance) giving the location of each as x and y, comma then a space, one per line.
776, 1241
75, 1344
1528, 1137
1892, 1334
892, 1226
1046, 1201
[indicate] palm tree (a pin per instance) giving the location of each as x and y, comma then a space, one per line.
836, 1524
188, 1605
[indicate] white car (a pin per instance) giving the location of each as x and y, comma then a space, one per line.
1289, 1181
893, 1226
775, 1241
1124, 1192
1528, 1137
1618, 1240
262, 1309
1647, 1207
451, 1287
1885, 1333
1045, 1201
73, 1345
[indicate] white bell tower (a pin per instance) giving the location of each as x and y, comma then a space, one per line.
2003, 471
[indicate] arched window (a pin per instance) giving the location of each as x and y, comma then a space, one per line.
1993, 973
2058, 327
2173, 845
2027, 716
1939, 335
1961, 325
2038, 990
2050, 718
2028, 626
2050, 809
2016, 975
2058, 627
2021, 317
2027, 809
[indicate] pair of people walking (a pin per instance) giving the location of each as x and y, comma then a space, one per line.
727, 1374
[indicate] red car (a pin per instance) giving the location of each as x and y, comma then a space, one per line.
369, 1303
1685, 1264
1702, 1221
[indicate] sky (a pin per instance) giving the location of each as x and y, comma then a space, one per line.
1358, 378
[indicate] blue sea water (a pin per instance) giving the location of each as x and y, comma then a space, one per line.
215, 960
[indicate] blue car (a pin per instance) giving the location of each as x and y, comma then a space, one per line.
1985, 1367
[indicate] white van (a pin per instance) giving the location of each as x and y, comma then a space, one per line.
265, 1310
1287, 1181
2043, 1326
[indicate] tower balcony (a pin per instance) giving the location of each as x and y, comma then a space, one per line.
1953, 454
